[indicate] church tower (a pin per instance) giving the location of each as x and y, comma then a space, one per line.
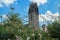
33, 16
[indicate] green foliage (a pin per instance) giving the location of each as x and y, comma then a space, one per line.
13, 27
4, 34
54, 30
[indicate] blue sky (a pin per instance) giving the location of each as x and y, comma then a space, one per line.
21, 6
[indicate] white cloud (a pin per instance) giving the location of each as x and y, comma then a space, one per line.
39, 1
4, 16
26, 9
6, 2
1, 5
48, 16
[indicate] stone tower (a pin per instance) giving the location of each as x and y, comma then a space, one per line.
33, 16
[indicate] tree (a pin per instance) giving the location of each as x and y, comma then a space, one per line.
54, 30
11, 27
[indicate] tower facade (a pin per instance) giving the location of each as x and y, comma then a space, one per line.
33, 16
